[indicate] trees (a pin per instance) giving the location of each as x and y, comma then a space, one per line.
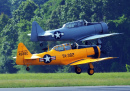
25, 11
3, 21
5, 7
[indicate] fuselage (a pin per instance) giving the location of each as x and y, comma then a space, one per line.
75, 32
59, 56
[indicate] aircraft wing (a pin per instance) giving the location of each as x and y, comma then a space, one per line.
90, 60
99, 36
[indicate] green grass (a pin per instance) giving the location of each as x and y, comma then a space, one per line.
63, 79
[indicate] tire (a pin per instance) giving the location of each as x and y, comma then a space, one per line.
41, 44
90, 71
78, 70
27, 69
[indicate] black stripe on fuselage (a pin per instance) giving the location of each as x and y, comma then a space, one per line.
96, 52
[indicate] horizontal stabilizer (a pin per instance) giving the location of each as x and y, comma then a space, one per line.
32, 57
47, 34
14, 57
29, 34
44, 35
99, 36
89, 60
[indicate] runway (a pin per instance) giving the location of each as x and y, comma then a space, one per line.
75, 88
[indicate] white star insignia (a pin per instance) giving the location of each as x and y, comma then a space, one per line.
47, 59
57, 35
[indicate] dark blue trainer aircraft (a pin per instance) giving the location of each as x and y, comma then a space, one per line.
80, 30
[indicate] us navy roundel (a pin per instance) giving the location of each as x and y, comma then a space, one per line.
57, 34
47, 58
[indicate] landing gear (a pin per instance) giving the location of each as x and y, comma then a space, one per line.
27, 69
78, 70
91, 69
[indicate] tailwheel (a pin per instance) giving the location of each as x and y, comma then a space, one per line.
78, 70
90, 71
27, 69
41, 44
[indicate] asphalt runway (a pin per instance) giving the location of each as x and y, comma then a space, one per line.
80, 88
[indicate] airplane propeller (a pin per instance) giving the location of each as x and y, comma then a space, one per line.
99, 43
104, 52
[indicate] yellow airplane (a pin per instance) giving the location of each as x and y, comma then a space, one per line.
64, 54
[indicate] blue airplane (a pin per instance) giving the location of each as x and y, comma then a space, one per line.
80, 30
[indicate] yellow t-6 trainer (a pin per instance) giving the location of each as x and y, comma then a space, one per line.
64, 54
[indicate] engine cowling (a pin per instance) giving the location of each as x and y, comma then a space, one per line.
93, 52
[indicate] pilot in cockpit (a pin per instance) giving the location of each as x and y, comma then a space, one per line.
85, 22
74, 45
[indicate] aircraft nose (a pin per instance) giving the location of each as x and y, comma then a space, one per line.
104, 27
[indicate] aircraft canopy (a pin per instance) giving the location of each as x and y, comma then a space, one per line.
75, 24
62, 47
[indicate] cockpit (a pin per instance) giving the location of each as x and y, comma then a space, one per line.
62, 47
75, 24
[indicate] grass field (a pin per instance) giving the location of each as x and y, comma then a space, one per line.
63, 79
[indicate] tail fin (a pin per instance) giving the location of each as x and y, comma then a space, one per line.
22, 52
36, 31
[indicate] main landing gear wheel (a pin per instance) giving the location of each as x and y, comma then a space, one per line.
78, 70
90, 71
27, 68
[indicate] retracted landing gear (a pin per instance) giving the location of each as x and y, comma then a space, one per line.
91, 69
78, 70
27, 69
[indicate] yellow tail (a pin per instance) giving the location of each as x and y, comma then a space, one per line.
22, 52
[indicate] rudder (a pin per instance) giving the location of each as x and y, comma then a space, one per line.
22, 51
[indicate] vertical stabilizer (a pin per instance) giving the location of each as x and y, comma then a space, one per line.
36, 31
22, 51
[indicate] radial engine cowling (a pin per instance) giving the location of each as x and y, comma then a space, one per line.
93, 52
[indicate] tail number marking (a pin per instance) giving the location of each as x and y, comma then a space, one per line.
21, 53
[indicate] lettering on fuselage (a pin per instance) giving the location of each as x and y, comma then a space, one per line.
21, 53
68, 55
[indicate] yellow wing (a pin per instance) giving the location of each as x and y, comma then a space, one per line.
89, 60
